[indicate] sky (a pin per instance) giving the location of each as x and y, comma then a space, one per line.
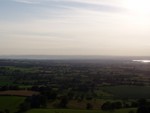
75, 27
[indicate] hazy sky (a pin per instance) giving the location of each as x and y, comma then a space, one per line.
75, 27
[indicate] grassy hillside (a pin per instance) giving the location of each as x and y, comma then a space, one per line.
77, 111
10, 102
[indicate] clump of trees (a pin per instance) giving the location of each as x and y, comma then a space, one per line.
111, 106
5, 111
63, 102
35, 101
89, 106
144, 106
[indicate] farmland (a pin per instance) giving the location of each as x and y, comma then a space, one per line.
74, 85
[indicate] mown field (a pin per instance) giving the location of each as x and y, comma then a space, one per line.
78, 111
10, 102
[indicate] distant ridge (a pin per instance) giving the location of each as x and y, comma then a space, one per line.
71, 57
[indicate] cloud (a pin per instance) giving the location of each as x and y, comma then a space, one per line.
27, 1
97, 5
90, 5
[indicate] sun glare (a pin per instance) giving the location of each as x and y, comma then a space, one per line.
137, 6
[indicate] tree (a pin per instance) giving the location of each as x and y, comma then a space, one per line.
43, 101
7, 111
63, 102
144, 106
143, 109
89, 106
116, 105
35, 101
24, 107
107, 106
134, 104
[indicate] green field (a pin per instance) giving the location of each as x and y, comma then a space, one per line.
5, 80
77, 111
128, 92
10, 102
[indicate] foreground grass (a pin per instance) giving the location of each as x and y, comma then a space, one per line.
78, 111
10, 102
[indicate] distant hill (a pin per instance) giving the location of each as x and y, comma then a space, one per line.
71, 57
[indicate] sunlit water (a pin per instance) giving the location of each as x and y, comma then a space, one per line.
142, 61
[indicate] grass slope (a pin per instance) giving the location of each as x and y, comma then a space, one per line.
10, 102
77, 111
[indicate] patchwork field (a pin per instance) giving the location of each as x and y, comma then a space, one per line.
73, 86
